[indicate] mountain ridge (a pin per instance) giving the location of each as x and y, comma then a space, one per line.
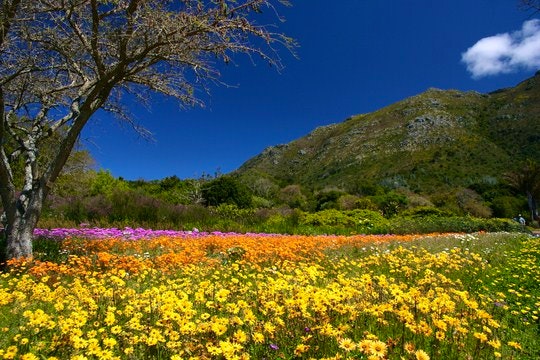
438, 140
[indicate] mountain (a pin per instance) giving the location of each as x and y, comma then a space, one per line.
439, 140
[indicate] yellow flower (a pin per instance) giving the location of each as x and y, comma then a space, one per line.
496, 344
515, 345
79, 357
365, 346
269, 328
213, 350
229, 348
421, 355
347, 344
222, 294
10, 352
378, 348
258, 338
240, 336
219, 326
480, 336
300, 349
110, 318
409, 347
78, 342
154, 337
109, 342
29, 356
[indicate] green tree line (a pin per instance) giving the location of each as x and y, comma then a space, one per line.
84, 195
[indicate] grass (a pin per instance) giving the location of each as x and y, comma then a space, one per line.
453, 296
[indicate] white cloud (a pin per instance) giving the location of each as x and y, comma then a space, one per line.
505, 53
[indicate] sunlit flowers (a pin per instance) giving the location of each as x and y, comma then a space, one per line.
232, 296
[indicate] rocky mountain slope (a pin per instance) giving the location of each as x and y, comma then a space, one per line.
438, 140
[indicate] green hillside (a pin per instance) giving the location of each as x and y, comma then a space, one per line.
437, 142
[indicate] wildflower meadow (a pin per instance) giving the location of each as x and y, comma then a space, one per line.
139, 294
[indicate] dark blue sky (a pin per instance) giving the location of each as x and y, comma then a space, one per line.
355, 56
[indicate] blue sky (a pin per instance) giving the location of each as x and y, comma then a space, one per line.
355, 56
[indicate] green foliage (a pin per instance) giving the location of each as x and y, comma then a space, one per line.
423, 211
366, 204
348, 202
105, 184
293, 196
508, 206
261, 203
390, 203
361, 221
364, 187
472, 204
233, 212
441, 224
226, 190
328, 199
171, 190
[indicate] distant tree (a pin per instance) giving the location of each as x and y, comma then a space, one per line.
347, 202
527, 181
226, 190
293, 196
104, 183
390, 203
63, 60
328, 199
472, 203
76, 174
264, 187
170, 182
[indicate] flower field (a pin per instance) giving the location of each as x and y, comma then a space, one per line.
138, 294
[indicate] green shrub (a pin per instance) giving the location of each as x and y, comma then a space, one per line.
508, 206
348, 202
226, 190
328, 199
440, 224
293, 196
330, 217
233, 212
390, 203
422, 211
359, 221
259, 202
366, 204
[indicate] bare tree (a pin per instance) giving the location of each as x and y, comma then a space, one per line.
63, 60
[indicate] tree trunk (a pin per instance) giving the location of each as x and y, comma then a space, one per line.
532, 206
21, 219
19, 238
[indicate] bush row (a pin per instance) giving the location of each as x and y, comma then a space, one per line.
142, 211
